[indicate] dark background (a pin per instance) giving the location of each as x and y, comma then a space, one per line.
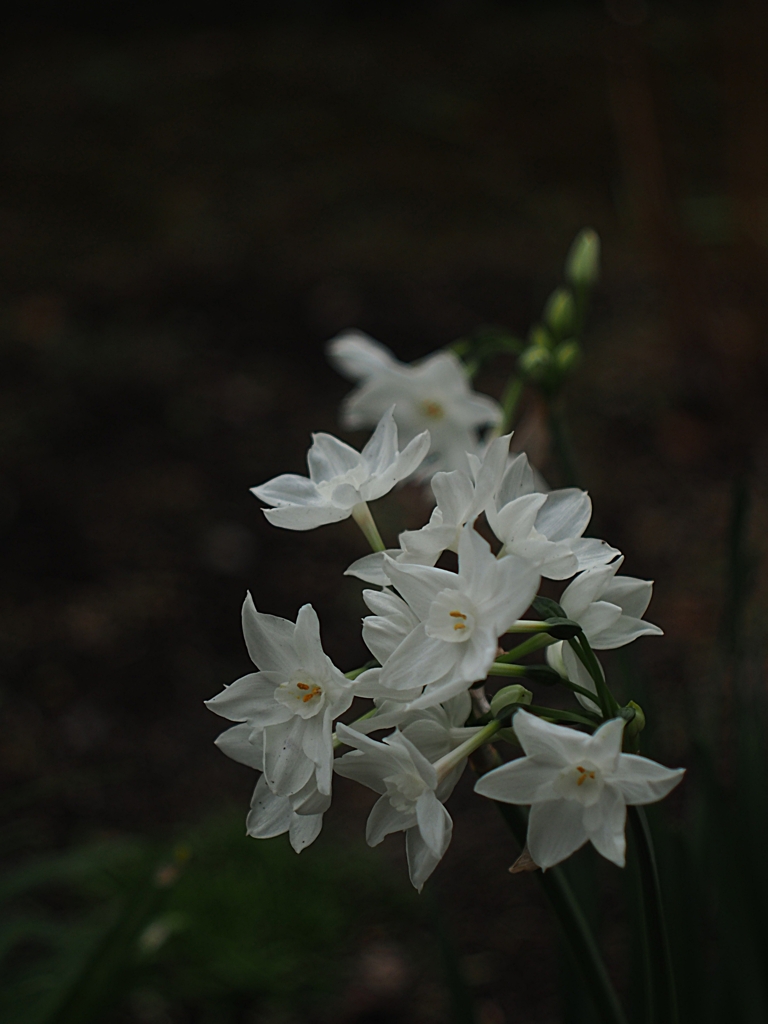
190, 208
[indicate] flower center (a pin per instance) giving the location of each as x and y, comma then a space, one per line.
451, 617
432, 410
302, 698
404, 789
583, 775
582, 782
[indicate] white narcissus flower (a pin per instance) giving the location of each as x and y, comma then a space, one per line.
300, 815
460, 618
546, 528
341, 480
291, 704
578, 787
432, 394
610, 609
412, 788
461, 498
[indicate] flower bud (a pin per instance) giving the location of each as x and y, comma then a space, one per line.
535, 361
560, 312
509, 695
566, 356
637, 724
582, 266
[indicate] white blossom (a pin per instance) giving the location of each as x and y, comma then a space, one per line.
460, 498
341, 479
413, 788
545, 528
433, 393
459, 618
291, 704
578, 787
300, 815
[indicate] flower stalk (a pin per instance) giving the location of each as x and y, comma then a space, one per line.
362, 516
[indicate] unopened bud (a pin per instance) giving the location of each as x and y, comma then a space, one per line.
535, 361
637, 724
582, 266
560, 312
566, 356
539, 335
507, 696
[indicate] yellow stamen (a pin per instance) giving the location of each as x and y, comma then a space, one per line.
433, 409
302, 686
314, 692
457, 615
459, 625
583, 775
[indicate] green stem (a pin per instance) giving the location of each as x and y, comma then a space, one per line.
534, 643
362, 516
662, 1007
529, 626
448, 762
586, 656
575, 927
556, 715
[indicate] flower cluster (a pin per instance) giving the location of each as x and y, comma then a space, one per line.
434, 634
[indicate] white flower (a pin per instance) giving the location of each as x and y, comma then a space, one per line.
433, 394
412, 788
546, 528
460, 500
460, 617
610, 609
300, 815
340, 478
578, 787
290, 705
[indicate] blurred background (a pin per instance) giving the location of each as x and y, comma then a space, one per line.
191, 204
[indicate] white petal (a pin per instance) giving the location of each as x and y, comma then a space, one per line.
304, 830
577, 673
288, 489
510, 587
356, 355
370, 568
309, 649
418, 660
515, 520
384, 819
565, 514
550, 743
250, 698
381, 449
586, 588
434, 823
624, 631
328, 458
632, 595
270, 815
524, 781
420, 584
604, 746
421, 861
406, 463
517, 480
605, 822
599, 616
555, 831
382, 637
269, 639
235, 743
591, 552
298, 518
642, 781
286, 767
454, 493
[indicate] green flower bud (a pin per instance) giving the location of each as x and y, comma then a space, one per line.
636, 726
582, 266
509, 695
539, 335
566, 356
535, 361
560, 312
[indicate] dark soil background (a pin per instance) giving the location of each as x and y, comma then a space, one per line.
189, 211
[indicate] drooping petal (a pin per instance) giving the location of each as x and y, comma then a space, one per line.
304, 830
286, 767
269, 639
555, 831
421, 861
235, 743
605, 822
524, 781
384, 819
642, 781
434, 823
270, 815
